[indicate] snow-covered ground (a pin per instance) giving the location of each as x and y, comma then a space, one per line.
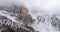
38, 7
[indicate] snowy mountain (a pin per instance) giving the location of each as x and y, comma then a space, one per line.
44, 22
47, 23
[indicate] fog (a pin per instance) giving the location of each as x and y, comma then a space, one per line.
36, 6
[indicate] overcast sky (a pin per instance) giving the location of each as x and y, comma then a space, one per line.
36, 6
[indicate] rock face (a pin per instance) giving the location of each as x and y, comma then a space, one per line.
12, 25
26, 19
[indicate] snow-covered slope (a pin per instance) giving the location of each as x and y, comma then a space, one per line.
47, 22
6, 20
